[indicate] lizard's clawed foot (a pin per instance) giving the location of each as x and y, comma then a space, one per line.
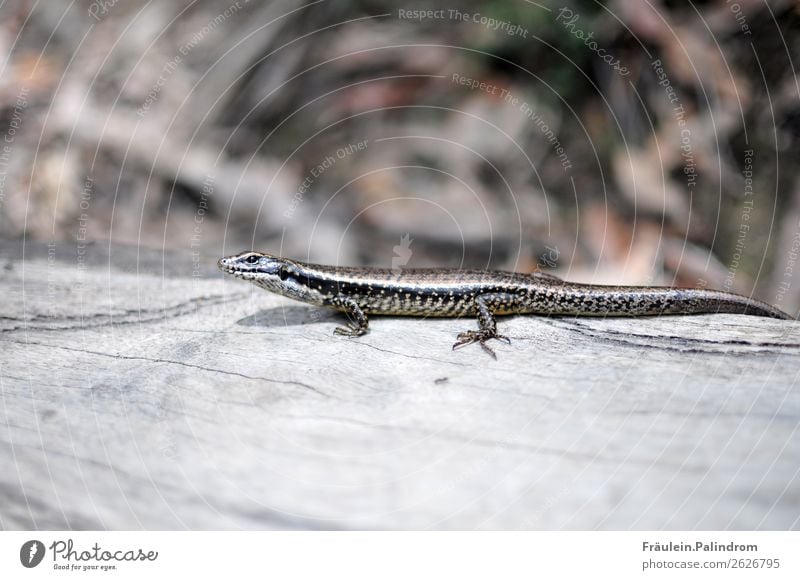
479, 336
350, 331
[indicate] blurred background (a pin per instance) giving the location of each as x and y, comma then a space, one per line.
613, 142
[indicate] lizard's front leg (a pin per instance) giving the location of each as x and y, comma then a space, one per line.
358, 324
486, 321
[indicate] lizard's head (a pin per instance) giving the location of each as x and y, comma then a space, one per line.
253, 265
272, 273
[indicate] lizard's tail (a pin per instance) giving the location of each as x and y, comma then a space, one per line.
591, 300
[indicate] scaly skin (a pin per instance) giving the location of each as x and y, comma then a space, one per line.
454, 293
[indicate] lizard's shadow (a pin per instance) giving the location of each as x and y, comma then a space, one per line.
288, 316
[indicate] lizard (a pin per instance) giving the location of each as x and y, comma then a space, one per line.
453, 292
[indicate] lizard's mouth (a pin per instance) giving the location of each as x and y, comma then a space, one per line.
227, 266
236, 272
230, 269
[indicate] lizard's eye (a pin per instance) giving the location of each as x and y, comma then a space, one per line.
251, 259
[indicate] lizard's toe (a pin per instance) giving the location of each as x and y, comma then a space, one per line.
479, 336
350, 331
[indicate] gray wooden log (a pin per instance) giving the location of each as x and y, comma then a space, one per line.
145, 391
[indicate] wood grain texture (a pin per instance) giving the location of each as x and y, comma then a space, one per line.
144, 391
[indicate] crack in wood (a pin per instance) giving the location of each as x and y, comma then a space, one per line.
125, 317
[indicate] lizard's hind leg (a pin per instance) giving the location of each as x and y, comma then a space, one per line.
485, 303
